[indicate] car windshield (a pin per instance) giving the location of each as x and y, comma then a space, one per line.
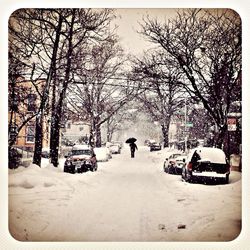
81, 152
175, 156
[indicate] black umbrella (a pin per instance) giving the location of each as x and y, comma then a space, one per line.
131, 140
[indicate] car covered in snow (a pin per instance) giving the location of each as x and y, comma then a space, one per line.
154, 146
170, 162
175, 163
102, 154
80, 159
45, 153
206, 163
115, 148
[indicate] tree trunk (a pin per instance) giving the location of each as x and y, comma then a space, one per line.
165, 132
54, 138
98, 136
108, 130
56, 115
38, 139
221, 136
39, 124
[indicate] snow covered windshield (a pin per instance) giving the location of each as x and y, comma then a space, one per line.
81, 152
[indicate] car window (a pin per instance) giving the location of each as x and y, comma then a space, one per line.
174, 156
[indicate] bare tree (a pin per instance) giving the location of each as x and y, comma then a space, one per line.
206, 47
101, 88
49, 41
36, 34
163, 95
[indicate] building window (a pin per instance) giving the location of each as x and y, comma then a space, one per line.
31, 102
80, 128
30, 135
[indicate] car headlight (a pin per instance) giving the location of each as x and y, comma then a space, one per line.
88, 162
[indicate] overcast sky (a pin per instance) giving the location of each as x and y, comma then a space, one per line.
128, 22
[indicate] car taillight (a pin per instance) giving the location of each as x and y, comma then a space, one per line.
189, 166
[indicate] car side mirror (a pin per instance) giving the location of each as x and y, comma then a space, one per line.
166, 159
94, 155
184, 160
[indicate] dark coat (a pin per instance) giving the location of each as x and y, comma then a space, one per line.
133, 146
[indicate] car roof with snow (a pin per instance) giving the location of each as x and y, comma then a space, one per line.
80, 147
214, 155
181, 157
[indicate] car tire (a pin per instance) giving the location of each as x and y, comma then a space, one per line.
226, 180
171, 170
164, 168
189, 178
183, 174
94, 168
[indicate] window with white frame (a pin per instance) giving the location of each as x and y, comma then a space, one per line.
30, 134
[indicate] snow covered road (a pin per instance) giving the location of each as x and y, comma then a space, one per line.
125, 200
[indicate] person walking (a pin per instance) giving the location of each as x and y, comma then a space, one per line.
133, 146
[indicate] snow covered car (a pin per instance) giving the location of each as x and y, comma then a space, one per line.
179, 164
154, 146
115, 148
82, 158
45, 153
102, 154
176, 164
170, 163
205, 163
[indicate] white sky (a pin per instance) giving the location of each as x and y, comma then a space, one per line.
128, 24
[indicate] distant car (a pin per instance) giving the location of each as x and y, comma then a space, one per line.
81, 159
115, 148
119, 143
154, 146
147, 142
102, 154
45, 153
109, 153
169, 164
206, 163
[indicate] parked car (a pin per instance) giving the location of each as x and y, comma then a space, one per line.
177, 164
109, 153
45, 153
154, 146
180, 163
147, 142
119, 143
82, 158
170, 164
206, 163
102, 154
115, 148
15, 156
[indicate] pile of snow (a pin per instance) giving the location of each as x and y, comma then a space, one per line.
126, 199
34, 177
